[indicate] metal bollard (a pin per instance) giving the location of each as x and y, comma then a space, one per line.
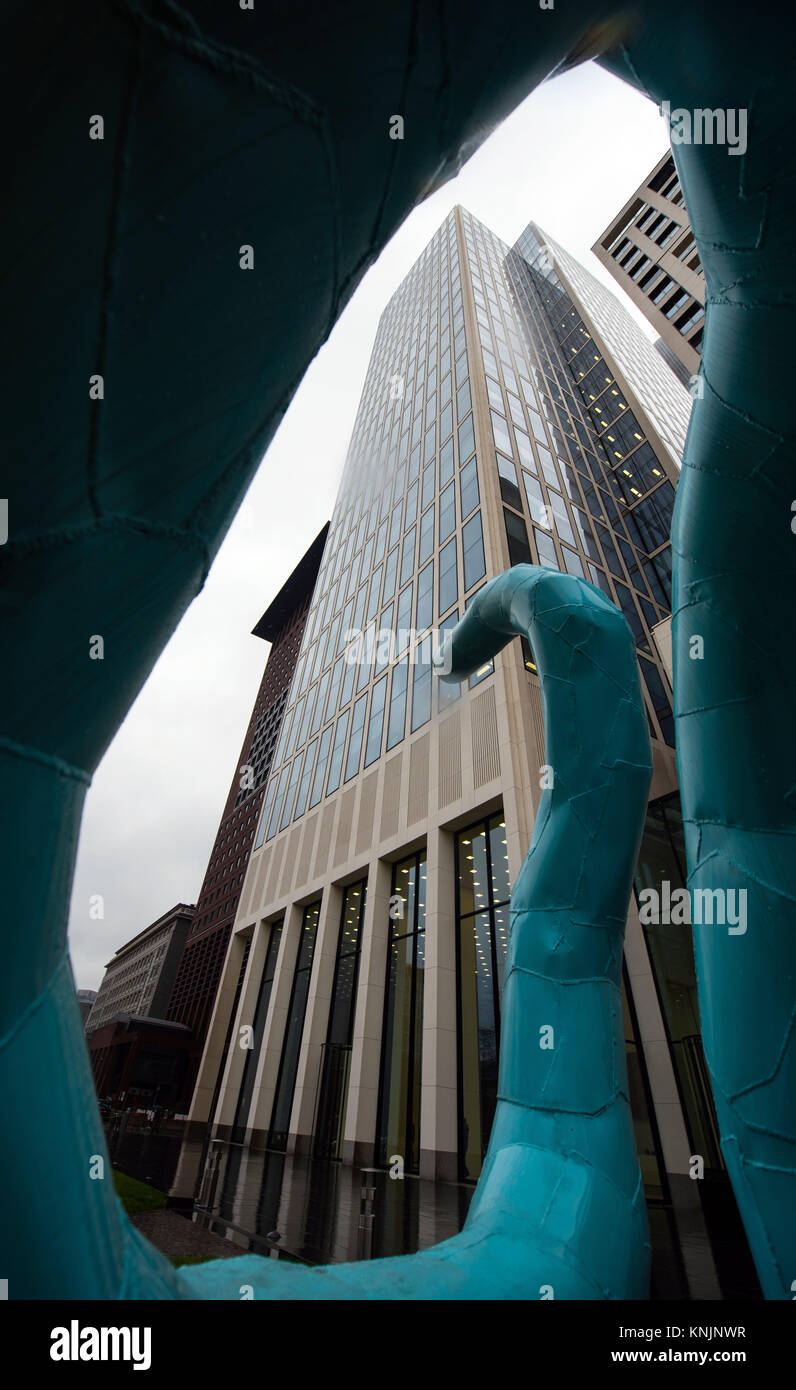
367, 1199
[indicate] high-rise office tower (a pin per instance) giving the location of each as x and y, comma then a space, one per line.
139, 978
199, 970
137, 1056
650, 249
512, 412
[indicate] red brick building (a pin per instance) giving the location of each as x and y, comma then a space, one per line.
195, 986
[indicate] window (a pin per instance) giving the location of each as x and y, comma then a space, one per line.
266, 813
659, 698
320, 705
287, 805
482, 915
447, 513
546, 549
407, 556
536, 502
517, 537
421, 685
495, 394
446, 463
473, 551
390, 575
402, 1033
240, 1122
509, 490
304, 784
468, 488
333, 1092
336, 760
373, 599
355, 742
376, 722
466, 439
288, 1065
320, 771
500, 433
524, 450
573, 562
448, 691
403, 618
448, 580
652, 519
561, 517
426, 535
396, 719
425, 597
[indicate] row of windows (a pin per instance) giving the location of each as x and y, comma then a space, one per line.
362, 732
424, 562
482, 895
525, 437
637, 473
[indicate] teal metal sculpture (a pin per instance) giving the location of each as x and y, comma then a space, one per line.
122, 267
559, 1211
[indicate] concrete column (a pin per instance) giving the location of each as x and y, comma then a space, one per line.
235, 1059
363, 1084
669, 1115
274, 1032
438, 1105
519, 763
212, 1056
686, 1203
315, 1022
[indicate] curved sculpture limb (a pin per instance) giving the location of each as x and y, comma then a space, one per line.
734, 562
559, 1210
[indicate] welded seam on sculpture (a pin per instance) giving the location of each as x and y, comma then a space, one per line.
48, 760
73, 532
35, 1004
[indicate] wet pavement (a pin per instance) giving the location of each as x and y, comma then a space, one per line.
182, 1240
310, 1209
315, 1205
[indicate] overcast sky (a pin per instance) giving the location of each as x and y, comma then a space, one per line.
154, 806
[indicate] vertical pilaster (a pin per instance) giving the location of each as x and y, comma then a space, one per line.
235, 1060
274, 1033
212, 1057
363, 1084
438, 1108
315, 1022
694, 1241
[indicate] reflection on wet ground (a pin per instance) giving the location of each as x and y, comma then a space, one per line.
315, 1206
151, 1158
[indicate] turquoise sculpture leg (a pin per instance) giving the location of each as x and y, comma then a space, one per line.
734, 553
559, 1211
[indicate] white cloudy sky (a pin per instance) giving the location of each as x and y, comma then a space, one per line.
152, 811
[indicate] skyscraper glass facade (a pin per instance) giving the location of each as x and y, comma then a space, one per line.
584, 487
496, 427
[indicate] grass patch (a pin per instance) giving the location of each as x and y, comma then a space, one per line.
136, 1196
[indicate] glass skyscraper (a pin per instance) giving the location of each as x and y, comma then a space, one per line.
512, 412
